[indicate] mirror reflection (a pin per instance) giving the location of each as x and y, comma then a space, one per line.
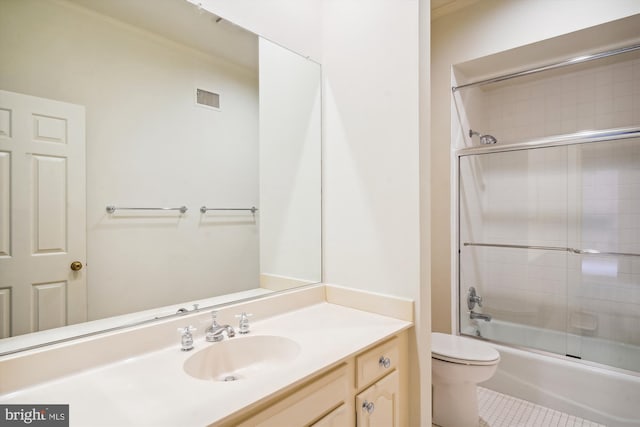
149, 110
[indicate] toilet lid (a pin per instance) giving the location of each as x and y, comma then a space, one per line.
456, 349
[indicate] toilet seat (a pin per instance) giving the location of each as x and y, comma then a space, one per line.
461, 350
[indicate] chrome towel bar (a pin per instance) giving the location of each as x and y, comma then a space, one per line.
253, 209
552, 248
111, 209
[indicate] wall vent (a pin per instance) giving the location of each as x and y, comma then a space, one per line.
208, 99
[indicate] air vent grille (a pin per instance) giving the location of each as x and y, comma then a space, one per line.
208, 99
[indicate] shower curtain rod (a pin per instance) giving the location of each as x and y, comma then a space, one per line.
572, 61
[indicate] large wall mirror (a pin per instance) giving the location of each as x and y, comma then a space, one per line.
153, 155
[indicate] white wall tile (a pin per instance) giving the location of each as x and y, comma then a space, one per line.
603, 97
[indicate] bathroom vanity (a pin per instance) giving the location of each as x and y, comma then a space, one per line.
315, 356
362, 390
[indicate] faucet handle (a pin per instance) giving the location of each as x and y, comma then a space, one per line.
187, 330
473, 298
187, 338
243, 323
214, 317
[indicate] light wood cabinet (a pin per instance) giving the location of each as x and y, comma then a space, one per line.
368, 389
339, 417
377, 362
378, 384
379, 405
311, 402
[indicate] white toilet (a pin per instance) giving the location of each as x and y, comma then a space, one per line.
457, 365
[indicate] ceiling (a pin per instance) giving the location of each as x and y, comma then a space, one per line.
444, 7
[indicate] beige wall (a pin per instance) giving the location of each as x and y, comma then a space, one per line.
486, 28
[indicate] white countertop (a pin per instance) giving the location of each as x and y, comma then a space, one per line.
153, 389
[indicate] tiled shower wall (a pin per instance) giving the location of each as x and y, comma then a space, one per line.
585, 196
595, 97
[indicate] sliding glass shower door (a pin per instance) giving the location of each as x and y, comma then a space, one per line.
603, 322
531, 224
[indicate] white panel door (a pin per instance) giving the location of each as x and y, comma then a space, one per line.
42, 214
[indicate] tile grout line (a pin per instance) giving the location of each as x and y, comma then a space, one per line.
501, 410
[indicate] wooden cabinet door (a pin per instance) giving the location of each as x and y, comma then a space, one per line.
378, 406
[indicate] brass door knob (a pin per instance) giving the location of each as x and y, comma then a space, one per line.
76, 266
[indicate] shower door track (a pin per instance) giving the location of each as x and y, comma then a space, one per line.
556, 141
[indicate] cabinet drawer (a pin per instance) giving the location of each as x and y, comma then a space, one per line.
304, 406
376, 363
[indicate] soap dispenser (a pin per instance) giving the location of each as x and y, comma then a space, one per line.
243, 323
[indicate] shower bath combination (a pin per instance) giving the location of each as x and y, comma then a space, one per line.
484, 139
530, 220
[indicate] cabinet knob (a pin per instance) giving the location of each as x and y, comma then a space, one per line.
385, 362
368, 407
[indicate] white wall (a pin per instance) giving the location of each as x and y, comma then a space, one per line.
486, 28
370, 123
372, 91
143, 128
290, 180
372, 195
371, 174
369, 54
294, 24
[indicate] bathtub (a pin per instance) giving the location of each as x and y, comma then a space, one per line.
600, 394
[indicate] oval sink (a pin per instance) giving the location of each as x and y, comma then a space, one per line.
241, 357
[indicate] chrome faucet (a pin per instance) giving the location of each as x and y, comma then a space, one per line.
473, 315
215, 332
